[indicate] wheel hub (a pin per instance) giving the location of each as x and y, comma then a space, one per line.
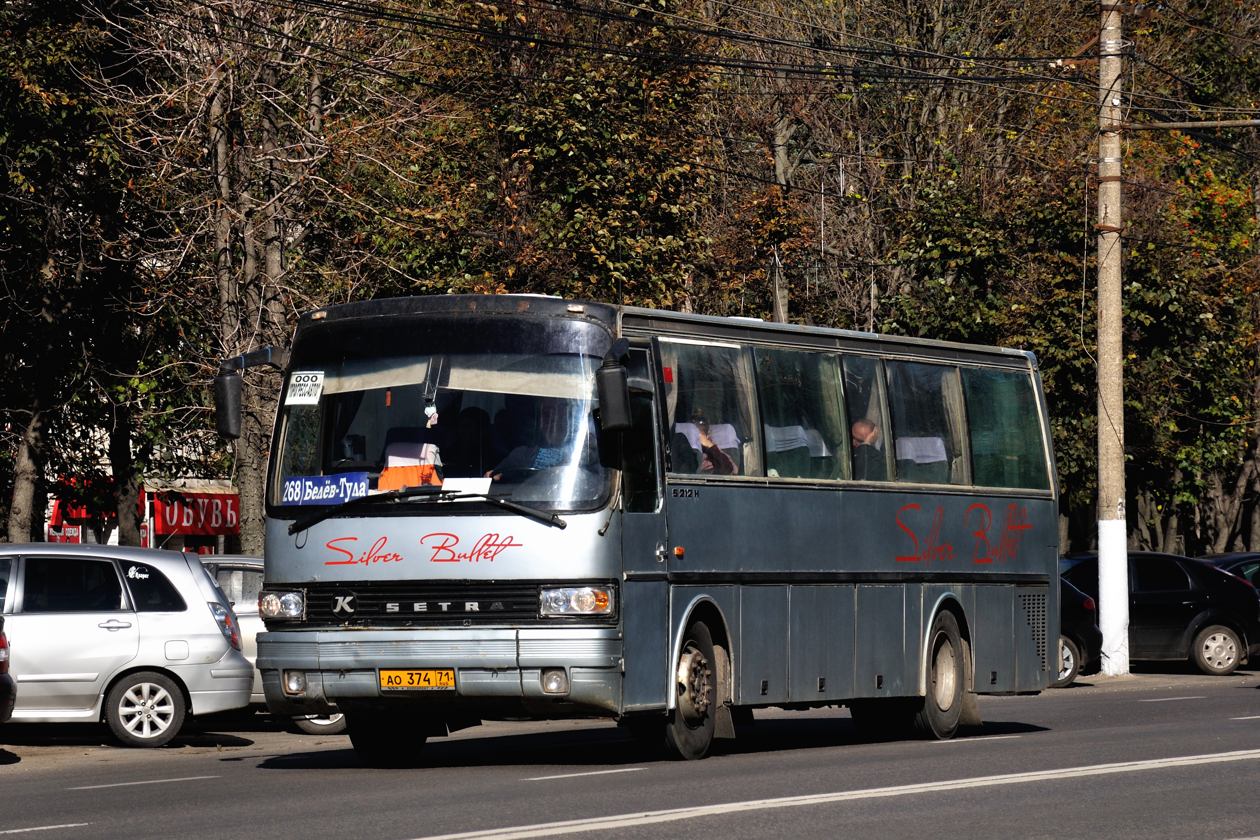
944, 676
695, 685
1219, 650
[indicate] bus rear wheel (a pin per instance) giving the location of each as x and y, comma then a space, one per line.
943, 703
392, 738
689, 729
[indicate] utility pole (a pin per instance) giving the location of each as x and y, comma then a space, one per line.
1113, 560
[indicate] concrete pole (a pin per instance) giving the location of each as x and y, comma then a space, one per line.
1113, 561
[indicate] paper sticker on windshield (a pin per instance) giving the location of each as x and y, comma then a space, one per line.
467, 485
324, 489
305, 386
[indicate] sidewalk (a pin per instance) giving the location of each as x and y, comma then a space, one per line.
1161, 677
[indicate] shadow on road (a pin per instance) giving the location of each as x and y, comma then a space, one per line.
98, 735
610, 746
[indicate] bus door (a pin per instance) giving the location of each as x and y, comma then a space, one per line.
644, 546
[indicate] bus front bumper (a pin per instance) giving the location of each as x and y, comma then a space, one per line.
494, 668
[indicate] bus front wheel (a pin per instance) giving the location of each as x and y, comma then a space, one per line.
942, 705
689, 730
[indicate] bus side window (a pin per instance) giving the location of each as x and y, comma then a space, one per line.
710, 393
927, 422
800, 411
1007, 446
869, 432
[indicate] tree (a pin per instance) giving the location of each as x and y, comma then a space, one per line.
58, 194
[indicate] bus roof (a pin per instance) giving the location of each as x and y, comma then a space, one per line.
641, 320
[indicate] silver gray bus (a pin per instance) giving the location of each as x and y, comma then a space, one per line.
520, 506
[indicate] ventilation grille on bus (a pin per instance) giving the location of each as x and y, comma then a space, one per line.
1034, 606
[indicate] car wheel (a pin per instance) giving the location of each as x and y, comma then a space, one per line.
1070, 655
334, 724
1216, 650
145, 709
690, 727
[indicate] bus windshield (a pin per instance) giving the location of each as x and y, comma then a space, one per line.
497, 405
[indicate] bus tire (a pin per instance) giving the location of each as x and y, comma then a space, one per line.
386, 738
943, 702
690, 726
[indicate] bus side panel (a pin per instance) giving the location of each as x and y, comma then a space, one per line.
820, 664
914, 617
994, 639
645, 619
762, 649
881, 643
1032, 612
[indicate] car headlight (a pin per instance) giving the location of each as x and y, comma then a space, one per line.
277, 604
577, 600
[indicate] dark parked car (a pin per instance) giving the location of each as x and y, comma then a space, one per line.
8, 689
1245, 564
1080, 640
1181, 608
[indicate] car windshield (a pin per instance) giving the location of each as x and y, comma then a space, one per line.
503, 406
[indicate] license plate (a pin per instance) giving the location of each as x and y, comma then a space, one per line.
423, 679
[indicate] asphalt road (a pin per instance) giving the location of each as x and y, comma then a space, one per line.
1163, 754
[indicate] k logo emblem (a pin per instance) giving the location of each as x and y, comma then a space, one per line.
343, 603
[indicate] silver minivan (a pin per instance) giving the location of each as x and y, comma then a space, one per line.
138, 638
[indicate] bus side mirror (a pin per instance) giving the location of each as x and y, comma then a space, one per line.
614, 396
227, 405
611, 383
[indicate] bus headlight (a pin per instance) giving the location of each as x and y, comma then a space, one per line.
275, 604
577, 600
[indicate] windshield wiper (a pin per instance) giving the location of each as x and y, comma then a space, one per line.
542, 516
427, 491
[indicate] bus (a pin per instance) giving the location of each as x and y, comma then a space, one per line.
517, 506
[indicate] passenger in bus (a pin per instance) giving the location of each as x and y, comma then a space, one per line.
713, 459
553, 442
707, 445
868, 451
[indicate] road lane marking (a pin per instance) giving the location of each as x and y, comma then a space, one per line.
1248, 717
617, 822
149, 782
47, 828
576, 775
977, 738
1167, 699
